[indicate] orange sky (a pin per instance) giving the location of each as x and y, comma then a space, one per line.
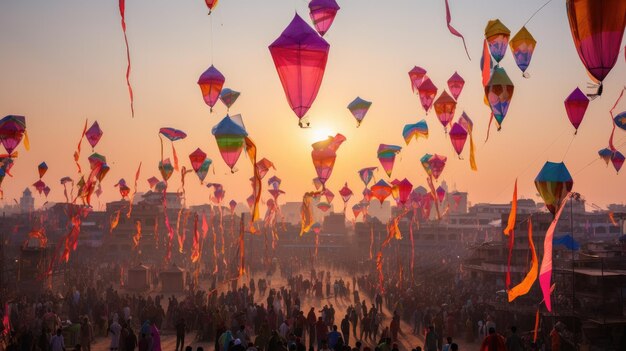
64, 61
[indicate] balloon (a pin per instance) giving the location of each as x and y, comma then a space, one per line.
42, 168
427, 91
445, 106
497, 35
359, 107
229, 135
93, 134
12, 129
417, 76
597, 29
499, 92
381, 190
300, 56
522, 46
323, 14
366, 174
553, 183
324, 154
575, 106
387, 156
458, 136
228, 97
455, 84
419, 129
211, 83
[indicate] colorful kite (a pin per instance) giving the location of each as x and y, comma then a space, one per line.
417, 130
229, 135
211, 4
455, 84
12, 130
264, 166
228, 97
346, 194
576, 106
497, 36
427, 91
42, 169
211, 83
404, 189
522, 46
467, 123
387, 156
553, 183
417, 75
458, 136
597, 29
617, 159
323, 14
300, 56
445, 106
499, 92
93, 134
172, 135
381, 190
359, 107
323, 206
324, 154
366, 174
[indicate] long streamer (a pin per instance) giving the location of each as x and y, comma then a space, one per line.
524, 286
453, 30
77, 152
130, 89
132, 197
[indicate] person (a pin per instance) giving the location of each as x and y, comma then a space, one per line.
514, 342
454, 347
283, 330
57, 343
115, 330
446, 346
333, 337
320, 332
493, 342
430, 342
180, 334
145, 342
345, 329
86, 334
251, 346
237, 346
77, 347
131, 340
156, 337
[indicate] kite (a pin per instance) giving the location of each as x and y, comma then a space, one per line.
317, 183
467, 123
324, 155
228, 97
328, 195
455, 84
522, 46
124, 189
274, 182
324, 206
42, 168
172, 135
366, 174
427, 92
381, 190
93, 134
499, 92
229, 135
620, 120
441, 194
510, 232
39, 186
122, 5
435, 164
387, 156
197, 159
452, 30
166, 169
553, 183
576, 106
404, 188
300, 56
12, 130
346, 194
597, 29
417, 130
359, 107
152, 182
264, 166
617, 160
323, 14
417, 76
497, 36
458, 137
445, 106
211, 83
605, 154
211, 4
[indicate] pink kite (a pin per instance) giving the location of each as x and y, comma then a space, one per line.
455, 84
211, 83
323, 14
576, 106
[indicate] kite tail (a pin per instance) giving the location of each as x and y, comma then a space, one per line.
371, 241
486, 69
241, 250
379, 268
175, 157
472, 154
412, 246
536, 326
524, 286
77, 152
195, 253
132, 197
453, 30
122, 5
257, 184
137, 236
489, 126
26, 141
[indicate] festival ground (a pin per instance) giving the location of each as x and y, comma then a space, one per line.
406, 339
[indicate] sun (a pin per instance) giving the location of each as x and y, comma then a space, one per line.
320, 132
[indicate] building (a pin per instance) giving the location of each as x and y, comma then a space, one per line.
27, 201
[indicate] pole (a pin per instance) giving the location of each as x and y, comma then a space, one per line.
571, 221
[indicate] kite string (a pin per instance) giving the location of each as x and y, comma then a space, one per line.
568, 147
539, 9
211, 37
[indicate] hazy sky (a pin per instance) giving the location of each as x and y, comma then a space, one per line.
64, 61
